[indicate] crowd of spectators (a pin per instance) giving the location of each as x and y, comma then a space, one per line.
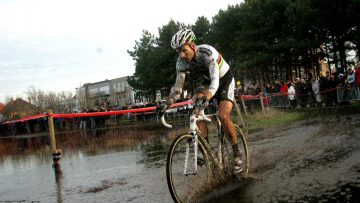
329, 90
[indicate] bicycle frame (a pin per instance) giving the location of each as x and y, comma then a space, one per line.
194, 131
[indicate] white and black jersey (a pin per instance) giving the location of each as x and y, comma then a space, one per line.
208, 64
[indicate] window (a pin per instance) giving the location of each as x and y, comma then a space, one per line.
104, 90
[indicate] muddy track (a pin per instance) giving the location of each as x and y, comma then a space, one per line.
313, 160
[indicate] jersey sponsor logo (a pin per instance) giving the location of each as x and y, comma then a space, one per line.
205, 51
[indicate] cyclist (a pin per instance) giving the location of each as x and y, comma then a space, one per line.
216, 81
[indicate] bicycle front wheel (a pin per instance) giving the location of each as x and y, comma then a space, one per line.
187, 179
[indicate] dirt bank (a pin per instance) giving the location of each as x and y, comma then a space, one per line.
313, 160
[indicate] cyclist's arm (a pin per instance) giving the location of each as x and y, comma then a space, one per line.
176, 90
214, 77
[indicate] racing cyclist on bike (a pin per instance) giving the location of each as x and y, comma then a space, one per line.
217, 81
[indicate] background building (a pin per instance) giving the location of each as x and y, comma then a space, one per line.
121, 94
115, 93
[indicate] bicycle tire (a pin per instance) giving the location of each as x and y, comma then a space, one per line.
227, 154
245, 155
184, 188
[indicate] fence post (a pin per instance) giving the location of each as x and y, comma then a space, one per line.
239, 114
243, 104
56, 153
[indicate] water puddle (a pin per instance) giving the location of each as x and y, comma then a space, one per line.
117, 165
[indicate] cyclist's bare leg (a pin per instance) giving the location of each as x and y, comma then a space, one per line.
225, 108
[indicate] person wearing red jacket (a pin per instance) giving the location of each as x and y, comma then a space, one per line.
357, 80
284, 91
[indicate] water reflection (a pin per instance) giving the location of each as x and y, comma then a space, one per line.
58, 180
154, 153
105, 165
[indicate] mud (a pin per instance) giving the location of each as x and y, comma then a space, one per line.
314, 160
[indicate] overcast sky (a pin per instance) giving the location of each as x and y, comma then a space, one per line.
59, 45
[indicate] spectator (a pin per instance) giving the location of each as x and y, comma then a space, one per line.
291, 95
267, 89
341, 80
297, 88
351, 77
277, 86
254, 90
357, 80
315, 86
304, 90
284, 88
83, 120
332, 84
283, 98
327, 76
275, 89
325, 87
351, 84
342, 90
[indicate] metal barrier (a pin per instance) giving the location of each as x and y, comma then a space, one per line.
349, 93
328, 97
279, 100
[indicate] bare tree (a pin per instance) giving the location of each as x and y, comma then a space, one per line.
36, 97
8, 99
66, 101
58, 102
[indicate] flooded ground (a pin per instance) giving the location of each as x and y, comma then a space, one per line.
314, 160
119, 165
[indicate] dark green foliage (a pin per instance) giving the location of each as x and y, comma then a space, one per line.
260, 39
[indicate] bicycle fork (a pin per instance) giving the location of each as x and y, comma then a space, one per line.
220, 147
195, 141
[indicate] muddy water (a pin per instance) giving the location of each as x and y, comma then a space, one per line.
112, 166
314, 160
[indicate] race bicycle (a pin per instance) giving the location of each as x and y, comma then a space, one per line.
193, 163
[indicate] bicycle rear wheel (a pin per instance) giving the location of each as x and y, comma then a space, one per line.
228, 154
184, 185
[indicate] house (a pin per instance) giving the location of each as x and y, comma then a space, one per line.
19, 108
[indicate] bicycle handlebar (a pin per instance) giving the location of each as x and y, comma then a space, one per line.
164, 122
200, 117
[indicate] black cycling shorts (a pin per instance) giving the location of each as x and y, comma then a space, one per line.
226, 88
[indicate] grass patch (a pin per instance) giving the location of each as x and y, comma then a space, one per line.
273, 118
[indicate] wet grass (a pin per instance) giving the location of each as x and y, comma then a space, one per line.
273, 117
277, 117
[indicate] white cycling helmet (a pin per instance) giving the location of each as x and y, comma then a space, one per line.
182, 37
